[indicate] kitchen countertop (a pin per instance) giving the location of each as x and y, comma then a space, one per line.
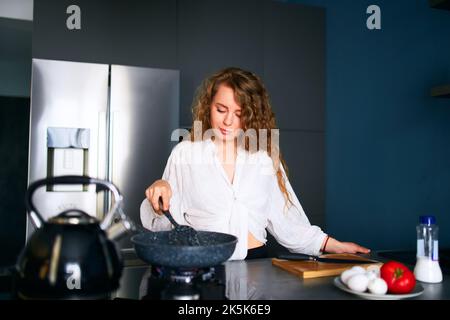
259, 280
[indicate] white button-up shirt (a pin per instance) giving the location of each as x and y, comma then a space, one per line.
204, 198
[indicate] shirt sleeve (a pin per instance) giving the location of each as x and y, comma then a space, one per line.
289, 224
149, 218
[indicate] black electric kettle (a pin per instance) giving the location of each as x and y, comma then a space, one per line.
72, 255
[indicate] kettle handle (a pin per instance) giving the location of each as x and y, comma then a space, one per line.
101, 185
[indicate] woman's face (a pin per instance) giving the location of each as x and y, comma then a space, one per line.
225, 113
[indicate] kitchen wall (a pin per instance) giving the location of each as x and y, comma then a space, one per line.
387, 144
388, 141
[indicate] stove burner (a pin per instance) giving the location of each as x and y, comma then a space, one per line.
162, 283
175, 291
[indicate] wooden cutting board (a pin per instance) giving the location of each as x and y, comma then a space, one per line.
313, 269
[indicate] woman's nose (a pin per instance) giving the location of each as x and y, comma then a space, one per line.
228, 119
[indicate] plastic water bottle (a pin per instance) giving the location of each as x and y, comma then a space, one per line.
427, 267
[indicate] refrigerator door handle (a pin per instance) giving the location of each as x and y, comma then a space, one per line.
102, 204
109, 159
112, 140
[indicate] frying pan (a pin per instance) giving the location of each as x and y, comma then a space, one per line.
183, 247
156, 249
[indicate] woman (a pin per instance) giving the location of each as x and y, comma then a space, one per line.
229, 176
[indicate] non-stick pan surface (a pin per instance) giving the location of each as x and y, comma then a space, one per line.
154, 248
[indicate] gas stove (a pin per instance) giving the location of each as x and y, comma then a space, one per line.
140, 281
162, 283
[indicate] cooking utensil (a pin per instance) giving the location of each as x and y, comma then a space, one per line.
182, 234
155, 248
70, 255
306, 257
158, 248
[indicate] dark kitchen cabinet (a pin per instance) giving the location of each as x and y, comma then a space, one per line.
294, 64
285, 45
135, 32
305, 156
213, 34
294, 73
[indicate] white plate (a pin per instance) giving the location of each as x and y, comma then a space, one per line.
418, 290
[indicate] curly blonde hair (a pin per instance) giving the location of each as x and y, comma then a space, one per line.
256, 111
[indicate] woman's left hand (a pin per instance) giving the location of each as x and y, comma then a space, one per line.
335, 246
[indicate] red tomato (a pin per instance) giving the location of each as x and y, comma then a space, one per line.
398, 277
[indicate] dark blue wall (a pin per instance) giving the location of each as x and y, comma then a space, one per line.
388, 141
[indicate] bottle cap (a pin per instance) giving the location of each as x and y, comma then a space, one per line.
428, 220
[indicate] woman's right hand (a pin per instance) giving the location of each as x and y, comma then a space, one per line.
159, 188
336, 246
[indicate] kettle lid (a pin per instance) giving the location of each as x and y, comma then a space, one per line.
73, 216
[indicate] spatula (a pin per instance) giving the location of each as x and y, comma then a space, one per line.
182, 234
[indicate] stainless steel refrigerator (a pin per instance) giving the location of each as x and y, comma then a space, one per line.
111, 122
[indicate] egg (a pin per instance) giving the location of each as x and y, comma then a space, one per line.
346, 275
375, 268
377, 286
351, 272
358, 269
371, 275
358, 282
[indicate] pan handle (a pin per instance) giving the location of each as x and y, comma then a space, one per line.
101, 185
